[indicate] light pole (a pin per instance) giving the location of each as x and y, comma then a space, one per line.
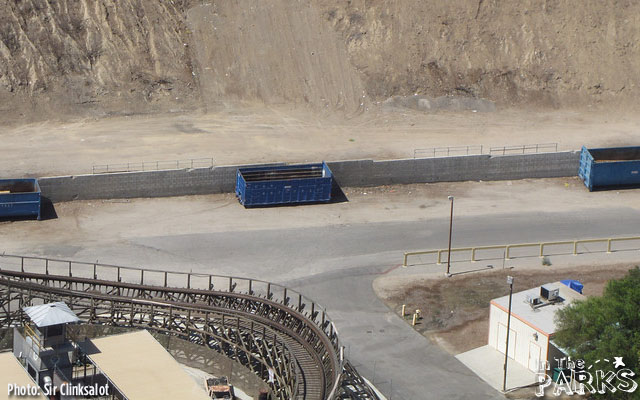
450, 232
506, 349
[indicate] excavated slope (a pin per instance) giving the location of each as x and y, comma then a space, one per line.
97, 57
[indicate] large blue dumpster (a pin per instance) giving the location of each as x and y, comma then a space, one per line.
19, 198
290, 184
610, 167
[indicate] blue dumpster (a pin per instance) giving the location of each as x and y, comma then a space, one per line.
610, 167
290, 184
19, 198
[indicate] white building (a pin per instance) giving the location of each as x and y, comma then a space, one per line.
532, 323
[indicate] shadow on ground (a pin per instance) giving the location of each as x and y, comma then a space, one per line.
47, 211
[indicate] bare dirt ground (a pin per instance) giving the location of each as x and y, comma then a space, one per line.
250, 81
103, 219
455, 312
85, 58
253, 135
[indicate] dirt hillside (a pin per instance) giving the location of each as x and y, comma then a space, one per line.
548, 52
102, 57
78, 56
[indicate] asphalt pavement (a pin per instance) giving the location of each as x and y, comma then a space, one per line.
336, 265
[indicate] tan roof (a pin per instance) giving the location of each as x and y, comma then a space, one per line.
11, 372
541, 319
142, 369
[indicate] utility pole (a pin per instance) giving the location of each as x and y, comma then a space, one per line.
506, 349
448, 274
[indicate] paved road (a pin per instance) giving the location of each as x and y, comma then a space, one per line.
336, 265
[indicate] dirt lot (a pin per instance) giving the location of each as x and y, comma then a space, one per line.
252, 135
455, 311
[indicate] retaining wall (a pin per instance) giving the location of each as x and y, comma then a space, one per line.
347, 173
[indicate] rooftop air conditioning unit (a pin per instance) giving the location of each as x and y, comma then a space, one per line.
549, 293
534, 301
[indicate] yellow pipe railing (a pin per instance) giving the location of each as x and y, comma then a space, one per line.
28, 331
507, 248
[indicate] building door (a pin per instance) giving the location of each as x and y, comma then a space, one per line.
534, 357
502, 340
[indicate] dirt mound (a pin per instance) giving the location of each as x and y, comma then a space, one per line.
81, 57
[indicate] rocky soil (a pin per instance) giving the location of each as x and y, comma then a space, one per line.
61, 58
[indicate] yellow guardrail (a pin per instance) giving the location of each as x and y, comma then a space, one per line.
540, 247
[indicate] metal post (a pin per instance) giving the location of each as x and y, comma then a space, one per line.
506, 349
374, 372
8, 322
448, 274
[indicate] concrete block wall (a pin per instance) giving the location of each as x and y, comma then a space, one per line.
454, 169
124, 185
347, 173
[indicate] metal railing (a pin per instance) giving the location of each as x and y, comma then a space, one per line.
152, 165
507, 254
456, 151
447, 151
525, 148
